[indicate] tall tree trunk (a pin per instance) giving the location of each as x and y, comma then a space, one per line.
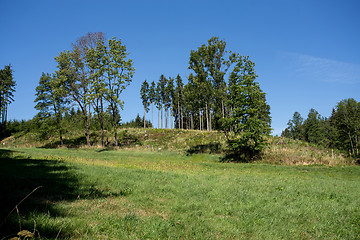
152, 115
58, 121
210, 125
178, 115
207, 117
351, 143
115, 136
171, 118
86, 130
144, 117
223, 108
158, 118
192, 121
89, 121
101, 119
182, 118
114, 111
162, 117
200, 119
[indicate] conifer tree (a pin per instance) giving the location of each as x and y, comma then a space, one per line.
152, 99
144, 94
161, 91
7, 89
169, 96
249, 119
314, 131
178, 101
158, 101
346, 120
295, 127
51, 100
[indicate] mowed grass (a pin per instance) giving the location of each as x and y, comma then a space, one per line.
138, 194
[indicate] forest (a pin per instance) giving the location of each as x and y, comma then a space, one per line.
339, 131
220, 94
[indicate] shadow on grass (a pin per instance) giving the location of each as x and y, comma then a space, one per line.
125, 139
205, 148
69, 143
19, 176
240, 157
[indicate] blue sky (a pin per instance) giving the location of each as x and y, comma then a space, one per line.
307, 53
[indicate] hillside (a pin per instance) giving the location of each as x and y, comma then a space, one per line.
280, 151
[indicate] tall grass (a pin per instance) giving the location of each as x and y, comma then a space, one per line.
136, 194
280, 151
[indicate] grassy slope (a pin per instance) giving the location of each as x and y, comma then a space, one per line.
145, 194
280, 151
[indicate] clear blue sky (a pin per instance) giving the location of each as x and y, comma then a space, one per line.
307, 52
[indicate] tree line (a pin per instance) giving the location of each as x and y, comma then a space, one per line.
221, 94
341, 130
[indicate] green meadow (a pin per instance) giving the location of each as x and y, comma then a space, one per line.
149, 194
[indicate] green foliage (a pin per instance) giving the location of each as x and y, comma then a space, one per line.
210, 63
250, 114
7, 89
138, 122
145, 97
295, 127
91, 76
178, 102
51, 100
346, 122
340, 130
314, 129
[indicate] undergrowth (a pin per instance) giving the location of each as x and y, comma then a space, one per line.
279, 151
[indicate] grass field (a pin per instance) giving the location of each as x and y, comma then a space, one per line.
139, 194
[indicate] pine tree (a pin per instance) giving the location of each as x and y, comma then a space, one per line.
249, 119
314, 131
295, 127
169, 96
152, 99
178, 101
144, 94
7, 89
51, 100
346, 120
161, 92
158, 102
